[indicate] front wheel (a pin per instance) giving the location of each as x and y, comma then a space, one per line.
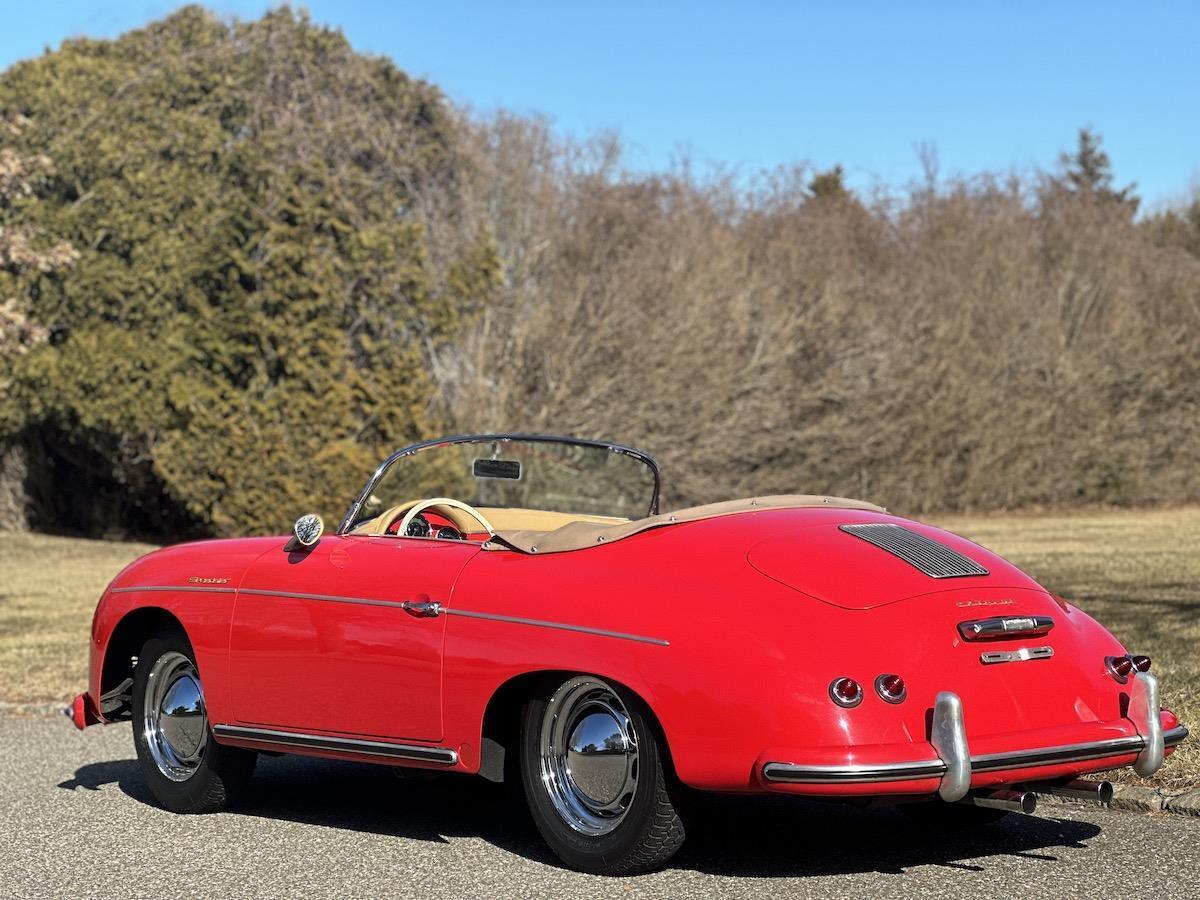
185, 769
594, 779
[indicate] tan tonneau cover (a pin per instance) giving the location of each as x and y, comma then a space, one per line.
580, 535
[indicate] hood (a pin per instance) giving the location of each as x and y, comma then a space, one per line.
864, 566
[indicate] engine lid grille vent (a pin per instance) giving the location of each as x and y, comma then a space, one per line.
934, 559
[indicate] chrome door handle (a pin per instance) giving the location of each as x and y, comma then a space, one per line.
422, 609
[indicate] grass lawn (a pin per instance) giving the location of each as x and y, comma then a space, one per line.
1137, 571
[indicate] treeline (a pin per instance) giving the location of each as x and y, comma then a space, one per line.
271, 259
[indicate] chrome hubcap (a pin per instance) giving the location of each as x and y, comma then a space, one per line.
589, 756
174, 722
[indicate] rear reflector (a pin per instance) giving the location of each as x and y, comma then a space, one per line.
846, 692
891, 688
1120, 667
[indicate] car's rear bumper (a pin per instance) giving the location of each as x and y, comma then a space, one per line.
949, 767
923, 769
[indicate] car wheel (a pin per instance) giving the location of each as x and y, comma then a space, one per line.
593, 775
944, 816
185, 769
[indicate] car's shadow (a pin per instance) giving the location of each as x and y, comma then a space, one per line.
733, 836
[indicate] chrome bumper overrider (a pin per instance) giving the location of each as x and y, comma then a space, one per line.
955, 765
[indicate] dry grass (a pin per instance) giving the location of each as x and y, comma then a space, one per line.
1137, 571
48, 590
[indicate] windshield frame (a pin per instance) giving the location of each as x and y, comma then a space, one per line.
413, 449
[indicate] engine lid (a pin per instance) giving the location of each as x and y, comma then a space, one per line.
842, 568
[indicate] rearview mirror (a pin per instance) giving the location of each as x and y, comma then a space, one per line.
305, 533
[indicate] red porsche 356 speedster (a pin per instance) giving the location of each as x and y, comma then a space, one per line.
516, 607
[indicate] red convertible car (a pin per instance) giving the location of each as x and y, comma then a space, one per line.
516, 607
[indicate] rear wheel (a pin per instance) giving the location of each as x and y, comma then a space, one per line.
185, 769
593, 775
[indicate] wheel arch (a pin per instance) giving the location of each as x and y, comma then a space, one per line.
501, 727
120, 656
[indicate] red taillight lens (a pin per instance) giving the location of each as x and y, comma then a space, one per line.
846, 692
891, 688
1120, 667
1141, 663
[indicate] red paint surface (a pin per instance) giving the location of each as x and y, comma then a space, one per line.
761, 610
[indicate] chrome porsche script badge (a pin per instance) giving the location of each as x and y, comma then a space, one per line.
965, 603
196, 579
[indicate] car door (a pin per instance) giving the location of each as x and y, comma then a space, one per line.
320, 642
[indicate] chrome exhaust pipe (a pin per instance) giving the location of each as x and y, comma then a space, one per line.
1010, 801
1096, 791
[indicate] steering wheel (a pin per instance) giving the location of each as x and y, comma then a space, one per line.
445, 503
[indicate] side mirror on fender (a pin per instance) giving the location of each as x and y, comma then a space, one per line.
305, 533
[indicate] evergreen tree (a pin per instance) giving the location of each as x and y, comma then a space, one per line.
243, 335
1087, 174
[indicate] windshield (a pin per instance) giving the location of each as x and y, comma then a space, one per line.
516, 472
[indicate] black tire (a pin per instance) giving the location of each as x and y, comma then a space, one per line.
218, 776
942, 816
650, 830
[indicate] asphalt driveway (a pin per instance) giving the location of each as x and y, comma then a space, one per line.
76, 820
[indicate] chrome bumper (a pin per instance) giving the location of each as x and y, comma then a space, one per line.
955, 764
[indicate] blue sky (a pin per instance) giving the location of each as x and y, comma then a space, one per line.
755, 84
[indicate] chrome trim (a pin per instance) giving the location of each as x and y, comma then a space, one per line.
1016, 759
442, 755
588, 756
845, 704
420, 609
948, 735
884, 695
327, 598
174, 720
1144, 711
582, 629
790, 773
992, 657
646, 458
1009, 801
918, 550
1005, 626
1077, 789
174, 587
1110, 663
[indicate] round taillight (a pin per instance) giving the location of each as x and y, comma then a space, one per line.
1120, 667
1141, 663
891, 688
846, 692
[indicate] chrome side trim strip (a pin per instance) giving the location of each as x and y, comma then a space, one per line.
400, 604
196, 589
341, 745
789, 773
582, 629
328, 598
